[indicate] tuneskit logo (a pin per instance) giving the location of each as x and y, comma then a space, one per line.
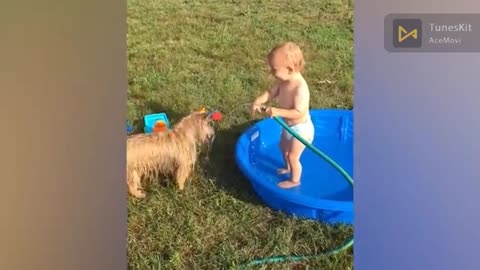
407, 33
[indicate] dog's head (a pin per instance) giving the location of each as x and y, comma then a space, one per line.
205, 129
198, 125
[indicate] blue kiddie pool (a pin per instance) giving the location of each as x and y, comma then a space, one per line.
324, 194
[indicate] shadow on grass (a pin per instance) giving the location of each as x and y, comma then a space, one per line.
222, 167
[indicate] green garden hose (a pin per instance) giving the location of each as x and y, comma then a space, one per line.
347, 244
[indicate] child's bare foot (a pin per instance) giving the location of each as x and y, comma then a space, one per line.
283, 171
288, 184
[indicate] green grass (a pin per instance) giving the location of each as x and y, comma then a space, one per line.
186, 54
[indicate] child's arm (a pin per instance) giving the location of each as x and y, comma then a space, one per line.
300, 106
264, 98
267, 95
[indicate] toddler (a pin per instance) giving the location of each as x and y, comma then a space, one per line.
290, 90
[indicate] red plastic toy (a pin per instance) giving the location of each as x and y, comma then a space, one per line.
217, 116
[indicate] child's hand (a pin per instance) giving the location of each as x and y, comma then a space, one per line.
271, 111
256, 108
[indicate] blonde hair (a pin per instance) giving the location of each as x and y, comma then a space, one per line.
292, 53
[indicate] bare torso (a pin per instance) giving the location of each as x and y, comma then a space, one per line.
294, 94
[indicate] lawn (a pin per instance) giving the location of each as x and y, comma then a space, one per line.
186, 54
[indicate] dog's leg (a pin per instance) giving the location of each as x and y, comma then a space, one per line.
193, 160
134, 185
182, 174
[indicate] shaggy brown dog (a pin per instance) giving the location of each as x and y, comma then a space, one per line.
173, 152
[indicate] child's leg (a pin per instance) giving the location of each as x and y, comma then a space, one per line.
307, 132
284, 147
294, 154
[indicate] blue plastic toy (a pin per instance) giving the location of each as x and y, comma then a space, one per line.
151, 119
323, 194
129, 128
